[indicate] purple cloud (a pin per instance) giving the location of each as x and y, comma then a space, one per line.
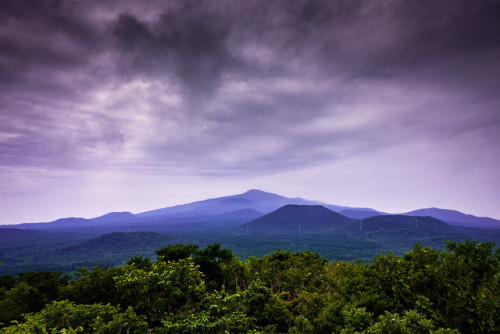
224, 91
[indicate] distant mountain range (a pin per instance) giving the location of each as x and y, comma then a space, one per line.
254, 199
454, 217
316, 219
227, 212
252, 223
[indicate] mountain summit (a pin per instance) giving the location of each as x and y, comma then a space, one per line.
255, 199
296, 219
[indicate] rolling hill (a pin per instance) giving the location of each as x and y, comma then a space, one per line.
107, 250
118, 244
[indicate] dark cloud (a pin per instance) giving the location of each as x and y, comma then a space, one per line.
42, 36
447, 43
185, 41
199, 42
255, 87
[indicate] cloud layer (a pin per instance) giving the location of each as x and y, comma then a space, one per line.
222, 91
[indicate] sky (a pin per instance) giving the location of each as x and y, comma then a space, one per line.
138, 105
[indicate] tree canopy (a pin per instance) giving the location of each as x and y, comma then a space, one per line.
209, 290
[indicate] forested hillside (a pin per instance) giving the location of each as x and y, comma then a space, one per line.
66, 245
189, 289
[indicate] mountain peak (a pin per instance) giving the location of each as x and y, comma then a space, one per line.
293, 218
260, 195
117, 215
256, 192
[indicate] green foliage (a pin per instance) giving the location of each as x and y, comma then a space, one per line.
284, 271
302, 325
48, 285
167, 288
329, 319
176, 252
68, 317
31, 292
410, 323
471, 289
94, 286
22, 298
277, 314
140, 262
234, 277
355, 319
211, 261
211, 291
219, 313
7, 282
255, 299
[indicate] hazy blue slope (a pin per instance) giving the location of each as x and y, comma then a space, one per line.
456, 217
258, 200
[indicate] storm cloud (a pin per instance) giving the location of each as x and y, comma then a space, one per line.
378, 96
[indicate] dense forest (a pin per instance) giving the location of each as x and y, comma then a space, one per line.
189, 289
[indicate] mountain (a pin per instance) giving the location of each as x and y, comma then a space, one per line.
221, 213
225, 205
398, 222
233, 218
270, 202
252, 223
109, 219
253, 199
402, 232
454, 217
116, 217
361, 213
186, 222
266, 202
292, 218
128, 222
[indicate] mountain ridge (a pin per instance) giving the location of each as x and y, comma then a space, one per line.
455, 217
264, 201
254, 199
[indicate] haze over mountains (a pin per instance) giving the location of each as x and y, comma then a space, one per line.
252, 224
229, 211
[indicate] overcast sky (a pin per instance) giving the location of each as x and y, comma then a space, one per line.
137, 105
